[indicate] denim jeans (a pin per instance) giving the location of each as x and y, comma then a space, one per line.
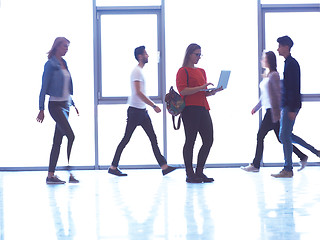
59, 111
266, 126
301, 142
138, 117
286, 137
286, 128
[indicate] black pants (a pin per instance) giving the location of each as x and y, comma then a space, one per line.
196, 120
266, 126
59, 111
138, 117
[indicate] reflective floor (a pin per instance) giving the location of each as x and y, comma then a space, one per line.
145, 205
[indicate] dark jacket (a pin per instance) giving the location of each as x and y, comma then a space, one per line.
291, 97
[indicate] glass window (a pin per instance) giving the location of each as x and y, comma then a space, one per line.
112, 124
26, 37
118, 42
303, 28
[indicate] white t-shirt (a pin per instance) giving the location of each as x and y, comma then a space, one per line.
66, 89
265, 100
134, 100
267, 97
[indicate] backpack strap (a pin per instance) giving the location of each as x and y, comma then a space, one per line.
187, 76
179, 119
178, 123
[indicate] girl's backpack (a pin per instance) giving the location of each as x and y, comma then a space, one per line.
175, 104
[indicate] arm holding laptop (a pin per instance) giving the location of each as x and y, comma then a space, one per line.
213, 91
192, 90
208, 91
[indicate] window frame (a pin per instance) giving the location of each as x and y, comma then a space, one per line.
125, 11
285, 8
101, 100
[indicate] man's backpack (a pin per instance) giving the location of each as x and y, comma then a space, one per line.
175, 104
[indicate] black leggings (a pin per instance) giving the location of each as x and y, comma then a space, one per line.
59, 111
266, 126
196, 119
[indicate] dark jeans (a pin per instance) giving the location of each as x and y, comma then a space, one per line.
196, 120
59, 111
266, 126
138, 117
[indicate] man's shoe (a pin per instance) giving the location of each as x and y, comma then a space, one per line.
250, 168
117, 172
204, 178
54, 180
72, 179
303, 163
169, 169
283, 174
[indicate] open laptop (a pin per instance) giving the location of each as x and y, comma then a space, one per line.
223, 80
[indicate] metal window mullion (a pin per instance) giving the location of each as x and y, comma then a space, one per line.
133, 9
290, 7
96, 83
163, 80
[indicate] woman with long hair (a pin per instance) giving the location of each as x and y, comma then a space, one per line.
192, 85
57, 83
270, 99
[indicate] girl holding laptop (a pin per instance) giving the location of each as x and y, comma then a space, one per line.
191, 81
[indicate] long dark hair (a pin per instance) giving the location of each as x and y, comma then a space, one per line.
272, 60
190, 49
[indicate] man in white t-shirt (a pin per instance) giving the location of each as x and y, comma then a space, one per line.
138, 116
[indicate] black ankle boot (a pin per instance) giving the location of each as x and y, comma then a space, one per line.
200, 174
193, 178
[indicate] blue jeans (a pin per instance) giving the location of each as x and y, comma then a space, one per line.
287, 138
301, 142
266, 126
286, 128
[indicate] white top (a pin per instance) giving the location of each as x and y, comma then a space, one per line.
270, 96
134, 100
66, 89
265, 100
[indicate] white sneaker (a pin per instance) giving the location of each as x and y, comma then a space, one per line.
303, 163
250, 168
